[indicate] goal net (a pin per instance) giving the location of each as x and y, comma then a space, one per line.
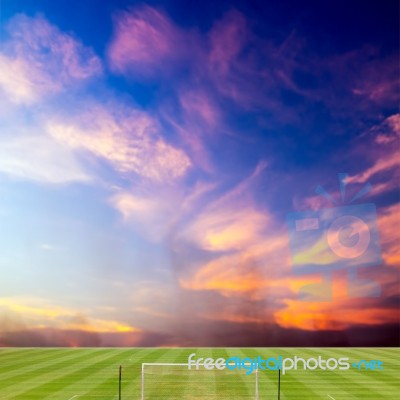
176, 381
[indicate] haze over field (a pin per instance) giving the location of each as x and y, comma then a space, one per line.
151, 151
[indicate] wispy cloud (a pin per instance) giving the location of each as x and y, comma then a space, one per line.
41, 159
231, 222
202, 114
46, 61
21, 84
234, 75
380, 147
216, 100
128, 139
227, 38
151, 213
378, 81
249, 273
391, 161
38, 60
243, 245
145, 41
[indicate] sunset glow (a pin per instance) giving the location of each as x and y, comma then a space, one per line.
150, 154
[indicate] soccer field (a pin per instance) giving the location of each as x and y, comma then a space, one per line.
92, 374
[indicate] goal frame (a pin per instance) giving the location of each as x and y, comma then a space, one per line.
187, 365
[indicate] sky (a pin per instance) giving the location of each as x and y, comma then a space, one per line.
151, 154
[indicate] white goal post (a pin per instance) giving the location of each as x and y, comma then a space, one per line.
177, 378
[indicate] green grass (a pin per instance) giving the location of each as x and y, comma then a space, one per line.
92, 374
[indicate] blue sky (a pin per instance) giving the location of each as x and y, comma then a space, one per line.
149, 155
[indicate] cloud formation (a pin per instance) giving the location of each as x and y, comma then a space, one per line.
189, 144
126, 138
145, 41
40, 159
37, 313
39, 60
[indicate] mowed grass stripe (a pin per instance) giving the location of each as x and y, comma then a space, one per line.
26, 360
57, 360
39, 375
370, 354
153, 355
184, 379
132, 371
187, 383
326, 382
153, 388
71, 375
382, 380
130, 374
390, 364
229, 383
316, 381
378, 351
13, 354
220, 383
245, 384
30, 374
132, 377
54, 370
32, 363
352, 379
191, 383
294, 386
267, 379
250, 354
86, 384
159, 355
102, 381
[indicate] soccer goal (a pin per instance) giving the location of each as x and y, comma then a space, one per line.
174, 380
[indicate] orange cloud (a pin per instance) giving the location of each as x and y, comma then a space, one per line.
389, 221
37, 314
333, 315
262, 272
342, 311
249, 272
227, 229
231, 222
